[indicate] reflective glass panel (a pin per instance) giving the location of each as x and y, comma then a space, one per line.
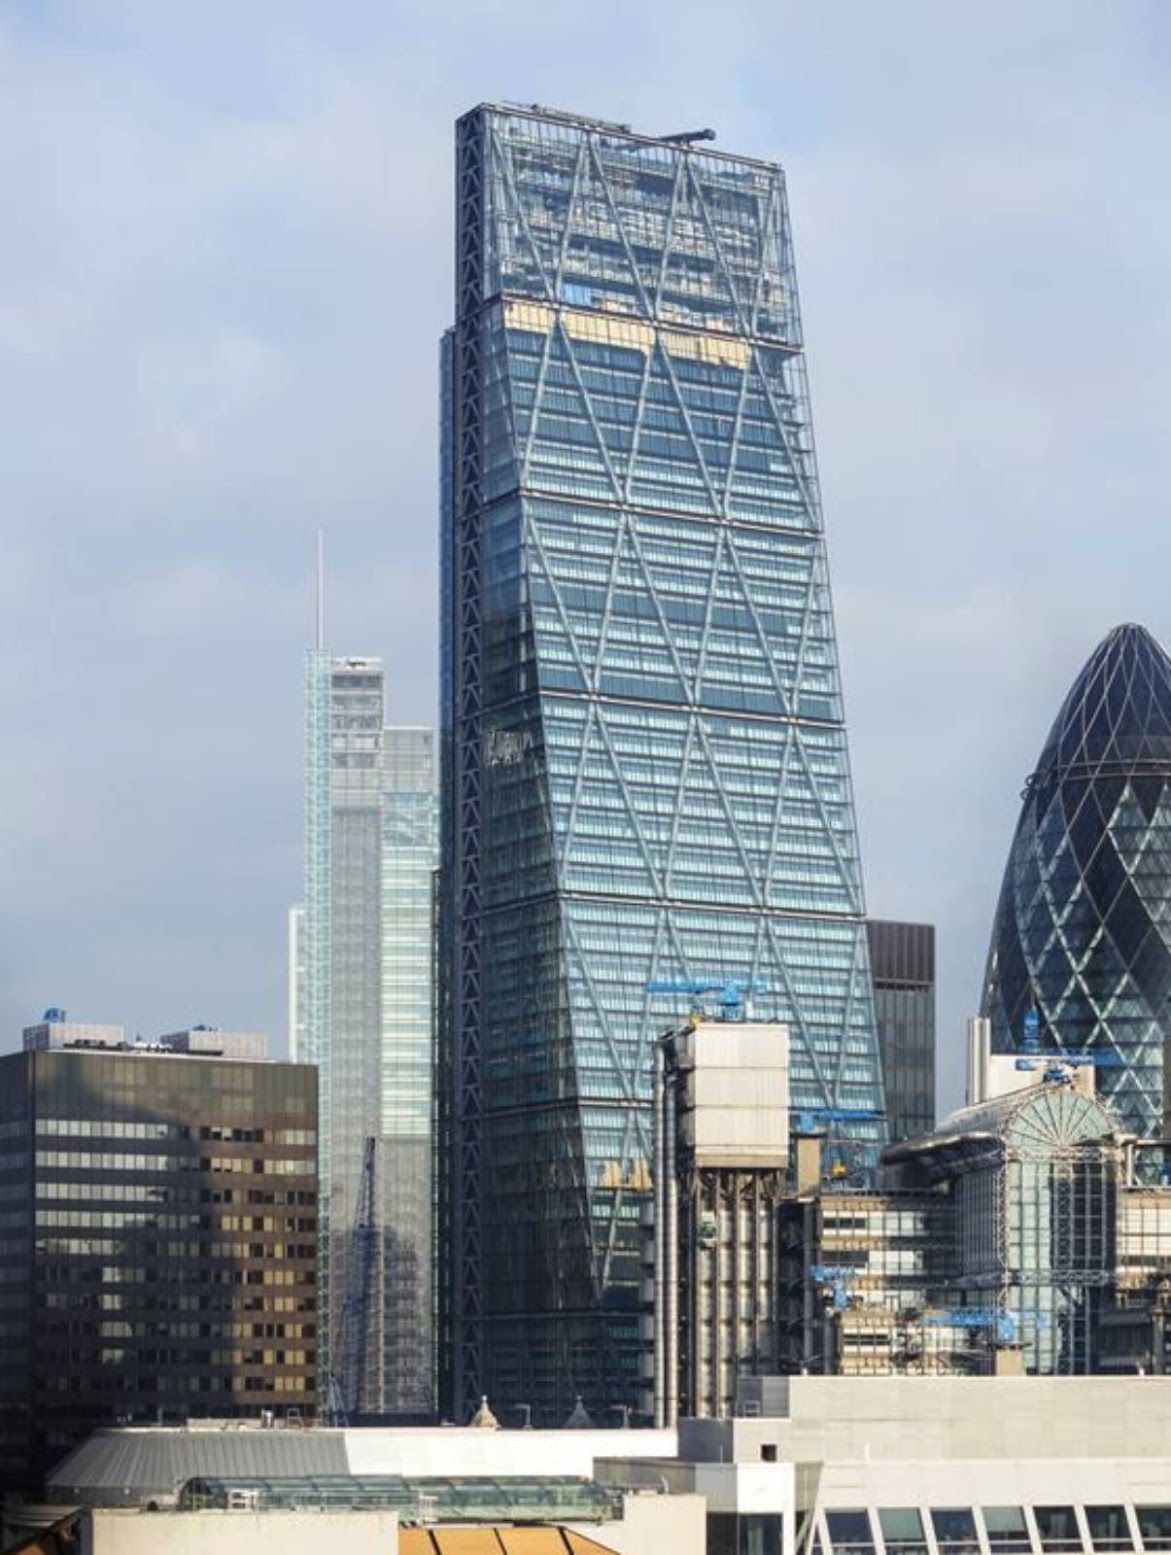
849, 1530
1006, 1529
902, 1530
1058, 1528
759, 1533
1154, 1523
955, 1528
1109, 1528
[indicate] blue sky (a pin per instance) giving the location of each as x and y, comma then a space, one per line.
225, 267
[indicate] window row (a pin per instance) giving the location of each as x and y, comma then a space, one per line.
997, 1530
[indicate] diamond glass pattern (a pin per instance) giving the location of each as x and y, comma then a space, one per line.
1083, 927
647, 774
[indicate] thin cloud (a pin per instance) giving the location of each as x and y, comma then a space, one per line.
226, 266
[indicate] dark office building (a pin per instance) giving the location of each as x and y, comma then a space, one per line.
158, 1231
902, 960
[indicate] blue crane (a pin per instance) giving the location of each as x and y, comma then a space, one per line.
837, 1276
1033, 1053
1003, 1321
809, 1120
732, 991
809, 1117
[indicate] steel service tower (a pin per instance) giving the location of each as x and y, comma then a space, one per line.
645, 767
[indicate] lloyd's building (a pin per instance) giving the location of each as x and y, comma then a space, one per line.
645, 766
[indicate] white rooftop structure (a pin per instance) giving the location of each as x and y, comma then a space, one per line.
811, 1466
132, 1464
733, 1106
56, 1033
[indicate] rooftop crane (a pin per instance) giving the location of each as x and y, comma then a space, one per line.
809, 1118
1003, 1321
688, 137
733, 992
837, 1277
1032, 1053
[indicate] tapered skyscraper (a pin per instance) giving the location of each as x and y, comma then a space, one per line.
1081, 945
645, 757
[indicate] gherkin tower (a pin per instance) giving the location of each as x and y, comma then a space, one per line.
645, 770
1082, 933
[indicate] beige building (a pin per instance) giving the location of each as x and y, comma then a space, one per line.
808, 1466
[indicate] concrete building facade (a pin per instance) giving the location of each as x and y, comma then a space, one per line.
806, 1466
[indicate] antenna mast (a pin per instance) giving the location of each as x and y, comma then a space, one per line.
319, 594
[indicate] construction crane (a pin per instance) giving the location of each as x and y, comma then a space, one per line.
349, 1359
688, 137
809, 1118
1003, 1321
1032, 1053
732, 991
837, 1277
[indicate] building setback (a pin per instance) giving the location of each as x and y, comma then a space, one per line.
158, 1251
646, 775
902, 959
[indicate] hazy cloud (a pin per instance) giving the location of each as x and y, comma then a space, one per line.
226, 266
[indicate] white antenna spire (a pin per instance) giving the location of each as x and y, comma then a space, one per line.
319, 592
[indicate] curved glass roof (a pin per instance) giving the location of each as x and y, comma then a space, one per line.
470, 1499
1118, 711
1038, 1123
1042, 1119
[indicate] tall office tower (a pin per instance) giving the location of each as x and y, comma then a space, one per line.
1081, 945
342, 939
646, 773
409, 854
902, 959
158, 1250
360, 1008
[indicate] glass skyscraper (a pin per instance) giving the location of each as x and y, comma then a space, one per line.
360, 1008
1082, 935
645, 773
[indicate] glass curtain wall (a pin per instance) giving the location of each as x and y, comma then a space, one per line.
1081, 947
343, 995
409, 856
648, 774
